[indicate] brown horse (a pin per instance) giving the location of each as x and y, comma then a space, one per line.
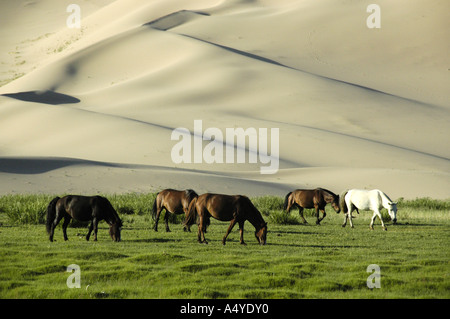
312, 198
174, 202
83, 208
236, 209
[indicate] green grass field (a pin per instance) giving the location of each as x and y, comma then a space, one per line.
299, 261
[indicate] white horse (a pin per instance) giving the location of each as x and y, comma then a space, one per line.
368, 200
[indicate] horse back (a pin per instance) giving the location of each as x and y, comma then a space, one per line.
84, 208
220, 206
365, 199
306, 198
171, 199
77, 206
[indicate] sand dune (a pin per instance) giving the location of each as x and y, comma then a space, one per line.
355, 107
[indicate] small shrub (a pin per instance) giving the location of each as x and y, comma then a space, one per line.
266, 204
282, 218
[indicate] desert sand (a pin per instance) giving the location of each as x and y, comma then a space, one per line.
91, 110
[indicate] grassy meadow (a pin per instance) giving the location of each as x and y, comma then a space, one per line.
299, 261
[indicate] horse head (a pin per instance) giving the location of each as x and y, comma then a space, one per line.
392, 210
114, 231
336, 204
261, 234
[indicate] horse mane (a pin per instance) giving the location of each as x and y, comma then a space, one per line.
326, 191
386, 198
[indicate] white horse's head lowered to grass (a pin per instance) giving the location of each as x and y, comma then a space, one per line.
392, 210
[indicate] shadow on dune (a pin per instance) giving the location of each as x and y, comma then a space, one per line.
39, 165
175, 19
45, 97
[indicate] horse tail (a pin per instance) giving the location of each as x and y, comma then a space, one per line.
342, 201
154, 207
286, 201
51, 213
191, 216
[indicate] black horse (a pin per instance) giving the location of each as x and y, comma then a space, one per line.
83, 208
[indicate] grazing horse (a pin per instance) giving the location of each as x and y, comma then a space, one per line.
368, 200
83, 208
174, 202
236, 209
311, 198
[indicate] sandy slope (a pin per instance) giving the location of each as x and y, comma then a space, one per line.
355, 107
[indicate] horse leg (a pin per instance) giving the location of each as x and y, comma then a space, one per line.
203, 239
199, 233
241, 230
316, 207
95, 222
300, 212
64, 227
376, 213
201, 228
166, 220
233, 222
323, 214
350, 218
91, 226
345, 220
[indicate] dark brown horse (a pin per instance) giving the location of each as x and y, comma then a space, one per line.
236, 209
174, 202
83, 208
311, 198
